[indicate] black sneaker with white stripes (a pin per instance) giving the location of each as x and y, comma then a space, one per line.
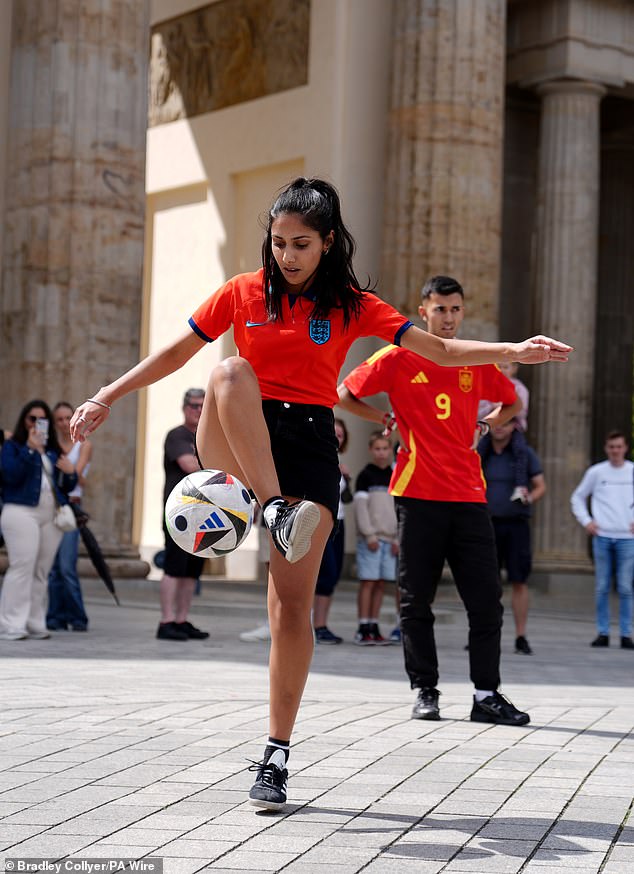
269, 789
292, 527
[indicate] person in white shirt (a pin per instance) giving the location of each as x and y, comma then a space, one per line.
610, 522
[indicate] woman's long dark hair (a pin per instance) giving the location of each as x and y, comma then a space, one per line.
335, 283
21, 432
346, 436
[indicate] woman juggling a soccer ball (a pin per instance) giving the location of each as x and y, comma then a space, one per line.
267, 416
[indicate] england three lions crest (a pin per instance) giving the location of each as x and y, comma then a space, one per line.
319, 331
465, 379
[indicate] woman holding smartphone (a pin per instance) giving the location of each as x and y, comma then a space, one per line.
33, 465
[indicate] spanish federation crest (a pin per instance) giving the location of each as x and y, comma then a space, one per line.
465, 379
319, 331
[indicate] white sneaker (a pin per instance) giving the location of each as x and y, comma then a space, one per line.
261, 634
13, 635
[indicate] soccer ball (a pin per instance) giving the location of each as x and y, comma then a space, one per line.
209, 513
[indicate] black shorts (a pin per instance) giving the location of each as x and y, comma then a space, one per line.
513, 542
304, 447
179, 563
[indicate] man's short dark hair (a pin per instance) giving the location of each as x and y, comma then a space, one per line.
441, 285
616, 435
192, 393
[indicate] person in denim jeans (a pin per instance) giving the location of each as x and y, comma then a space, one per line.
65, 600
610, 486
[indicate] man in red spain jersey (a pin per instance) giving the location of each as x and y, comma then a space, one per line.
440, 496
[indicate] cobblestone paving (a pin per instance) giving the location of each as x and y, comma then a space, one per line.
115, 744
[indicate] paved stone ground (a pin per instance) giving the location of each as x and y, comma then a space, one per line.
115, 744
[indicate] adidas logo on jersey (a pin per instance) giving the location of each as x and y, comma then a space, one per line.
419, 378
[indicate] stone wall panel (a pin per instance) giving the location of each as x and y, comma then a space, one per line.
73, 244
226, 53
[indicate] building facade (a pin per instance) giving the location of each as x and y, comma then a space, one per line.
487, 139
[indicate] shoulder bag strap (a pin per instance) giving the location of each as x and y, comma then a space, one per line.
47, 468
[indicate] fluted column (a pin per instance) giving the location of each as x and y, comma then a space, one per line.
614, 353
444, 166
73, 244
564, 302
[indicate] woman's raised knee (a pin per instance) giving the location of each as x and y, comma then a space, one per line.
232, 373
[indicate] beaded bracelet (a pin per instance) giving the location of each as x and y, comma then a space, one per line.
99, 403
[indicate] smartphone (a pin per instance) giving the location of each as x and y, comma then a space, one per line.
41, 429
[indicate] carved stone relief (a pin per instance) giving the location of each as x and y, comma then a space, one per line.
227, 53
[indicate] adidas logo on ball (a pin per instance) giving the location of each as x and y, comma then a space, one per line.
214, 521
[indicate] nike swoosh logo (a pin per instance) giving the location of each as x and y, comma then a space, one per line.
251, 324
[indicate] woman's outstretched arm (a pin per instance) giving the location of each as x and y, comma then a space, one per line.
89, 415
535, 350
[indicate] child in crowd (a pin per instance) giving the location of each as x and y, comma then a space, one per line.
377, 543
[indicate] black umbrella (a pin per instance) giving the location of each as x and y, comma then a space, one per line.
94, 550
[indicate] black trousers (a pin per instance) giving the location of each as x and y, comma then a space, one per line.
431, 532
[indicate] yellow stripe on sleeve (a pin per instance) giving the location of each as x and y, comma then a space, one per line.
380, 353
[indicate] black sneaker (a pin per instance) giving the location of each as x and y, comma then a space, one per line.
191, 631
325, 636
426, 706
498, 710
293, 527
601, 640
627, 643
363, 636
170, 631
269, 789
378, 638
522, 646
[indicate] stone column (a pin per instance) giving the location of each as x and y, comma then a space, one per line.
565, 294
74, 223
444, 167
614, 353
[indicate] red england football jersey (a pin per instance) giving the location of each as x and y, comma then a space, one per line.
296, 358
436, 410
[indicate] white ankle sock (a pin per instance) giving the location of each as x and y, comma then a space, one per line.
274, 745
269, 510
480, 695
